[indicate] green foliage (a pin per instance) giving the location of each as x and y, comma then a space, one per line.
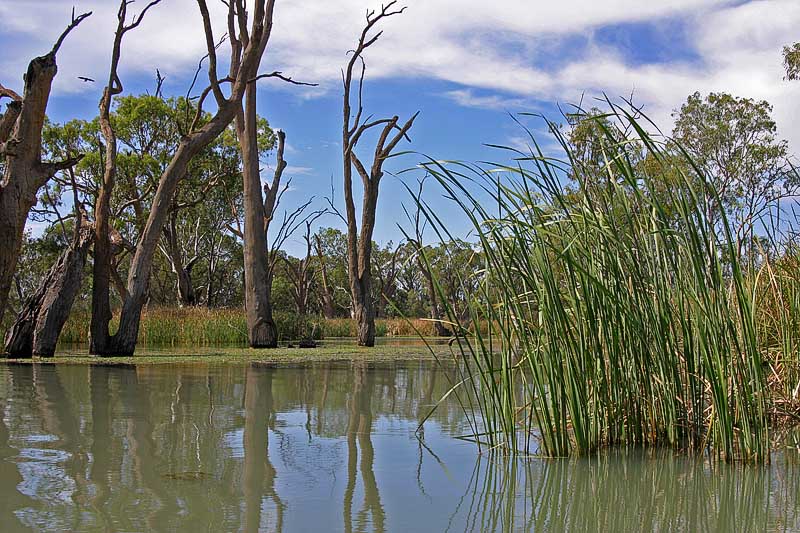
791, 61
733, 143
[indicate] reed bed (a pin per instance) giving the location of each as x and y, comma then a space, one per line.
200, 326
624, 316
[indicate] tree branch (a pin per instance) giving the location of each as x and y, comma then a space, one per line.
72, 26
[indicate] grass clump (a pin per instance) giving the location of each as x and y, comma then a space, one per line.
623, 313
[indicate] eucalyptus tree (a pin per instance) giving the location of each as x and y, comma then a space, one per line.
24, 170
791, 61
330, 247
733, 142
359, 239
247, 47
423, 258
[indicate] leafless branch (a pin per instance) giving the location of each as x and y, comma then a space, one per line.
72, 25
281, 76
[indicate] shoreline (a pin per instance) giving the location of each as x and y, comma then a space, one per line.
239, 355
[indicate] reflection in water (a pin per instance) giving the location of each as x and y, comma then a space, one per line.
326, 447
359, 431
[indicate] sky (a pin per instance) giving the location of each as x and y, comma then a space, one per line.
468, 67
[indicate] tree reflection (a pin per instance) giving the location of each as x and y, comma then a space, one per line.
359, 438
259, 474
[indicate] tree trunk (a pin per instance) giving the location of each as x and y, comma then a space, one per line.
261, 329
359, 242
11, 233
21, 146
44, 314
186, 293
364, 310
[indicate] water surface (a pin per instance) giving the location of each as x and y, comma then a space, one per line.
326, 447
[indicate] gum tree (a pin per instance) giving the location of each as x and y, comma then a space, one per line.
24, 170
391, 132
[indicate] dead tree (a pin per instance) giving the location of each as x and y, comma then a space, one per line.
387, 278
247, 48
44, 313
359, 242
182, 266
301, 274
418, 220
325, 291
258, 213
24, 171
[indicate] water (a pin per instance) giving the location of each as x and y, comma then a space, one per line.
326, 447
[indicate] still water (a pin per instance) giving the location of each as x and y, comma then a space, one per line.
326, 447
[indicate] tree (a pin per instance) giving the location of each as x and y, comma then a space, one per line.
733, 142
359, 243
101, 340
258, 213
24, 171
301, 275
247, 49
791, 61
423, 258
386, 264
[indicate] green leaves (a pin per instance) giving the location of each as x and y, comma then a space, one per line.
791, 61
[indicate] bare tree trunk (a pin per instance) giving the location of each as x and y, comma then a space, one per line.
21, 147
359, 243
44, 314
186, 294
261, 329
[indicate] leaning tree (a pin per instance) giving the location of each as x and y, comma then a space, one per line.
359, 242
247, 46
24, 171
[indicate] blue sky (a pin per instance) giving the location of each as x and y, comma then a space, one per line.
464, 65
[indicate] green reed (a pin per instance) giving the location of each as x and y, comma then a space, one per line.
622, 313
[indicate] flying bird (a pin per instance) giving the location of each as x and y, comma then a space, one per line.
85, 79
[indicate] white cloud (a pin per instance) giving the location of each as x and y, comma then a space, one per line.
292, 170
499, 52
470, 98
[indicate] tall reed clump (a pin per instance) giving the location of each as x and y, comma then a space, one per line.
622, 313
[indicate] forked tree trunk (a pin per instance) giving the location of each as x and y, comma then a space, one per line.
359, 241
101, 341
45, 312
246, 52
